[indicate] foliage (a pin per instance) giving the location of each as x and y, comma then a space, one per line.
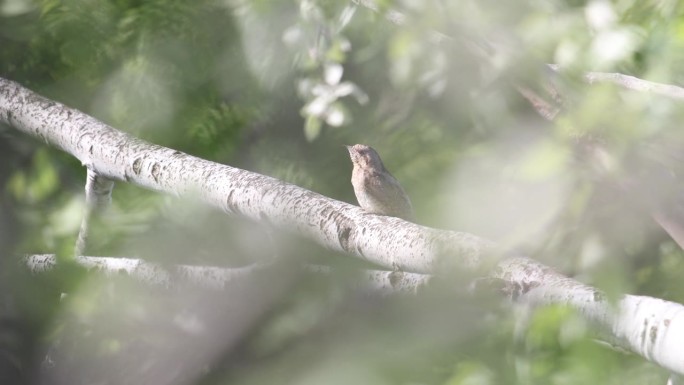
278, 88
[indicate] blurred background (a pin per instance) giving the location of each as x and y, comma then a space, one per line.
278, 87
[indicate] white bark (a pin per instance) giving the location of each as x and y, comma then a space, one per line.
98, 197
650, 327
174, 276
635, 84
389, 242
217, 278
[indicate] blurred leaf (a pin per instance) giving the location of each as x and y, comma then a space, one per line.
544, 160
312, 128
237, 82
39, 183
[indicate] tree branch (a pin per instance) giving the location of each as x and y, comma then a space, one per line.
650, 327
98, 198
630, 83
386, 241
216, 278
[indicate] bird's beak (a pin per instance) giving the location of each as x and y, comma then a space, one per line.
352, 154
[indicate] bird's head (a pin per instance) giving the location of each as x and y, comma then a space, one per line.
365, 156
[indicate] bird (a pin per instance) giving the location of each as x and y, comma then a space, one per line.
376, 190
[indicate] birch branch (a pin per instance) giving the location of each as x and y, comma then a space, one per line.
630, 82
650, 327
148, 273
217, 278
98, 198
386, 241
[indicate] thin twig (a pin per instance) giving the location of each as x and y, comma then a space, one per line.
98, 197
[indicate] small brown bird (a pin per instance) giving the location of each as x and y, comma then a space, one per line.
376, 189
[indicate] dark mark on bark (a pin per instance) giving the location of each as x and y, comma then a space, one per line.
643, 330
155, 172
343, 237
515, 290
230, 204
137, 166
530, 285
395, 278
598, 296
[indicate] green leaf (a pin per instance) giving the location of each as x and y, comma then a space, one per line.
312, 128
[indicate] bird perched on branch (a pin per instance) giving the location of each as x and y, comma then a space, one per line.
376, 189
